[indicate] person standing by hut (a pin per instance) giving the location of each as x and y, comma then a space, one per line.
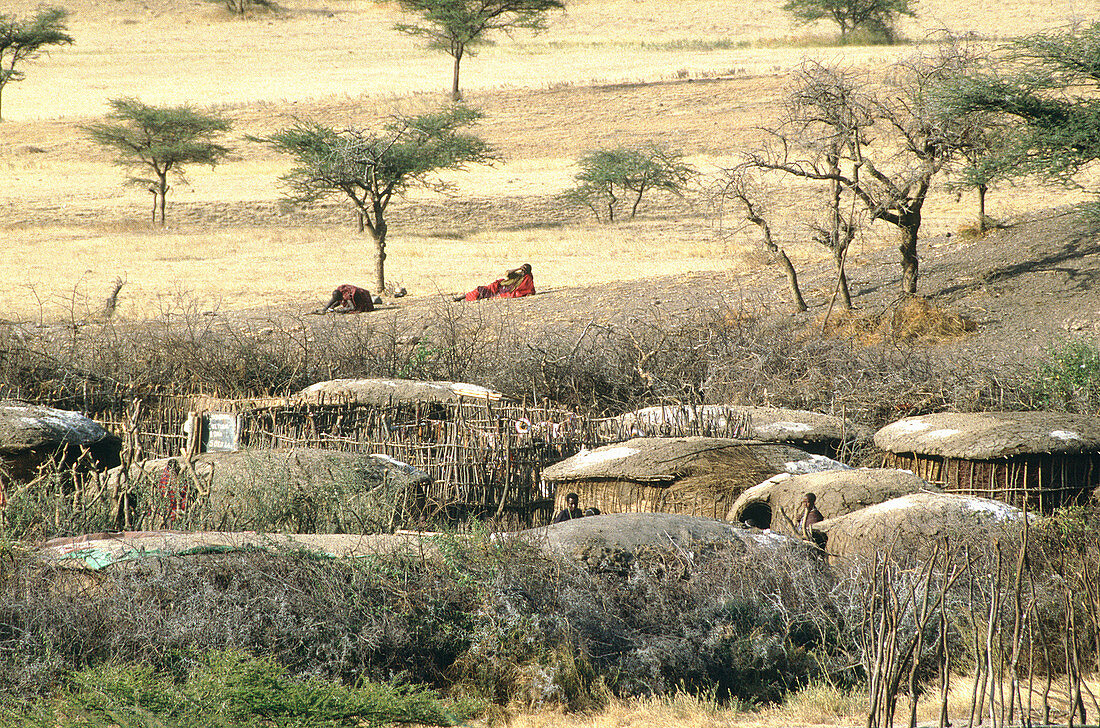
572, 509
808, 516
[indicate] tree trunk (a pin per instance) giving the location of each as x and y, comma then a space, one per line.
792, 282
983, 224
163, 194
842, 279
456, 94
909, 225
637, 201
379, 235
788, 268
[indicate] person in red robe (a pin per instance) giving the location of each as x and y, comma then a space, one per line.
349, 299
515, 283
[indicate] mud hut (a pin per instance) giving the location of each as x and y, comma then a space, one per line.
775, 503
385, 392
1033, 460
615, 539
810, 431
304, 490
695, 476
913, 524
33, 436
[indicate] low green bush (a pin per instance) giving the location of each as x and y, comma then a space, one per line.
1069, 377
226, 689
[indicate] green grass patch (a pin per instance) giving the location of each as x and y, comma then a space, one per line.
228, 688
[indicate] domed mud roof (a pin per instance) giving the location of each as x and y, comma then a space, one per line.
24, 426
991, 435
914, 523
666, 459
382, 392
775, 503
767, 424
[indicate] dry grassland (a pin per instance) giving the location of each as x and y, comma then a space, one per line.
699, 75
817, 706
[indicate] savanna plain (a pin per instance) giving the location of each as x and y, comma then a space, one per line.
699, 76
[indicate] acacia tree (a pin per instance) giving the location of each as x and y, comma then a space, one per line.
456, 27
1042, 95
608, 174
160, 140
876, 18
884, 147
369, 168
23, 40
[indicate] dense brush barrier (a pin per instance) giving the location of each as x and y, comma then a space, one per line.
1019, 622
716, 356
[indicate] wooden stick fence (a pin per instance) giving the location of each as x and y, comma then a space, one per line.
1034, 482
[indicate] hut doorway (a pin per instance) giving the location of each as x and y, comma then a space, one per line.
757, 515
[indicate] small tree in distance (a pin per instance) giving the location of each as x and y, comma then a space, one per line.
606, 175
457, 26
369, 168
23, 40
869, 20
161, 140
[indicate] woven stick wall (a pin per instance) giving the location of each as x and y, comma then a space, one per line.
1041, 482
485, 459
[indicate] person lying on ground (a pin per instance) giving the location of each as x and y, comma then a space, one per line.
515, 283
349, 299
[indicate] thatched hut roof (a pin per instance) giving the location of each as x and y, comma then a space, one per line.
698, 476
766, 424
31, 433
775, 503
991, 435
666, 459
914, 523
383, 392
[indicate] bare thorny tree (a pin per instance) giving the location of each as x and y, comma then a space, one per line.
876, 145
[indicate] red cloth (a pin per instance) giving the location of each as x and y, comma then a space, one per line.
355, 298
500, 288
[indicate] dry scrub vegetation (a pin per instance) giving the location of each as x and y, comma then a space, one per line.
215, 304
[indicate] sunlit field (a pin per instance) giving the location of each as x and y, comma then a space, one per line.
696, 75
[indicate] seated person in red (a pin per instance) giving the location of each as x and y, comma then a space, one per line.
349, 299
515, 283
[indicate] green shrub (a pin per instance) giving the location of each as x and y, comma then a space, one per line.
1069, 378
223, 689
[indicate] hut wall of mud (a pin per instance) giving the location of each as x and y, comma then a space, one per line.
1038, 482
485, 458
687, 497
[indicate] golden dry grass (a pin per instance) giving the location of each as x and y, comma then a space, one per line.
816, 706
604, 74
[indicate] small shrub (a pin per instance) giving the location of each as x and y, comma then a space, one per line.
1069, 379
